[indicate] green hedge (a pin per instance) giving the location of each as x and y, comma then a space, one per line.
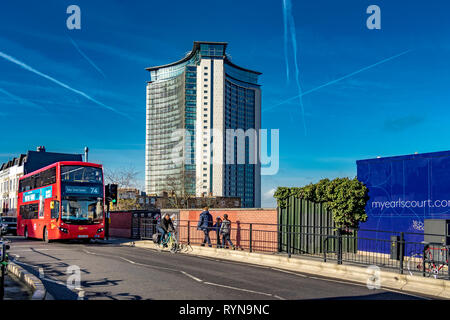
345, 197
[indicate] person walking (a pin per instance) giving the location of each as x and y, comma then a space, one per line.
205, 224
225, 231
216, 227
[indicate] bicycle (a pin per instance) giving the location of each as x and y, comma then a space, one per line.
170, 242
430, 266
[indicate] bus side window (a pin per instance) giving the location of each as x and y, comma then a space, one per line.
54, 209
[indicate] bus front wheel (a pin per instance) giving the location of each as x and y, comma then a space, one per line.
45, 235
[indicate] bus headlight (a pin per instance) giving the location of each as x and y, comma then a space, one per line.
63, 230
100, 230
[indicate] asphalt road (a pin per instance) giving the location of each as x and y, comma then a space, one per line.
110, 271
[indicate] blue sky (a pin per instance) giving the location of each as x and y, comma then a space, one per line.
97, 97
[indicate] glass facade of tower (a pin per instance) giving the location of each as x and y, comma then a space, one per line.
165, 106
200, 92
239, 179
190, 117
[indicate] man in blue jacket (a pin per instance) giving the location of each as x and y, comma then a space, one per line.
205, 224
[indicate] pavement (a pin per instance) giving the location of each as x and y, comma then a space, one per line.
15, 290
113, 272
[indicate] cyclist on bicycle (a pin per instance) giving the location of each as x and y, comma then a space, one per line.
165, 226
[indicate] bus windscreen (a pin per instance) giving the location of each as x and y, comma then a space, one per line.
81, 174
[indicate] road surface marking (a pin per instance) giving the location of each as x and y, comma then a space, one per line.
191, 276
127, 260
245, 290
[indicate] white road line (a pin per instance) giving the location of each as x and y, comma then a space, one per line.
127, 260
245, 290
191, 276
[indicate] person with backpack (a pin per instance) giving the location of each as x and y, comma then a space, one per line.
205, 224
225, 231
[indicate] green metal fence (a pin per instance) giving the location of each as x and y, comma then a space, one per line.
304, 226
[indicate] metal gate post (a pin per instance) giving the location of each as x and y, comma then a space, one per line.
189, 232
289, 240
251, 237
402, 243
339, 257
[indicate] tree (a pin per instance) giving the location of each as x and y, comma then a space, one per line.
179, 195
345, 197
123, 177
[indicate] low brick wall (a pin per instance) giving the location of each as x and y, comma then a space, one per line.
263, 223
120, 225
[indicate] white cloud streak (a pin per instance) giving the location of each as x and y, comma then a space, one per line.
87, 58
45, 76
22, 101
290, 22
337, 80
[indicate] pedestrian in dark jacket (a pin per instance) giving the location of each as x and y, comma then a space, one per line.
216, 228
205, 224
165, 226
225, 231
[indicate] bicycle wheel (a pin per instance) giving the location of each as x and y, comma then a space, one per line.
414, 263
431, 269
174, 247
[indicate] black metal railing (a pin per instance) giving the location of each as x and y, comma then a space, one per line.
405, 252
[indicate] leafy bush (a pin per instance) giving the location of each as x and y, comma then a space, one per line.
346, 198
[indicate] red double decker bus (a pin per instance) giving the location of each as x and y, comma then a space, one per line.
64, 200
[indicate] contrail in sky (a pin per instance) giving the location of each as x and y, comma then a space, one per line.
43, 75
289, 19
286, 40
338, 79
21, 100
87, 58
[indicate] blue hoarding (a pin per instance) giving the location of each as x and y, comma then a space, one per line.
405, 190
